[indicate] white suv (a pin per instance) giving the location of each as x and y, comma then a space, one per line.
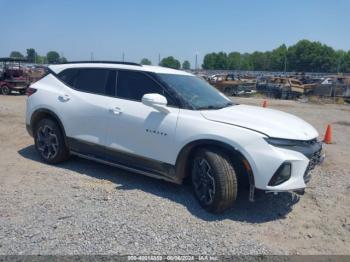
168, 124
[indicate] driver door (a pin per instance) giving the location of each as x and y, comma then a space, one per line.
141, 132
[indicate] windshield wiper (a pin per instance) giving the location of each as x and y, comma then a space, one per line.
215, 107
207, 107
228, 104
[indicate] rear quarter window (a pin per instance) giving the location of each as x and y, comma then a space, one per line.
91, 80
68, 76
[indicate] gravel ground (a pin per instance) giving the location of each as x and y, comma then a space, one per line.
81, 207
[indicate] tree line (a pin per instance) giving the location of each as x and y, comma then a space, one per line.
170, 62
52, 57
304, 56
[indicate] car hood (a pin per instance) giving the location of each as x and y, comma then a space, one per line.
270, 122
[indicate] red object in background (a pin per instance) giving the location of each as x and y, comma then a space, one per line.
30, 91
328, 136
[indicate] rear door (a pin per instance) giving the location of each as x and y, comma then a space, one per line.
85, 105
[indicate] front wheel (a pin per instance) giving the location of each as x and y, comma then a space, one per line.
214, 180
49, 142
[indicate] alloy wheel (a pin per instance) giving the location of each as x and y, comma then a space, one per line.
203, 181
47, 142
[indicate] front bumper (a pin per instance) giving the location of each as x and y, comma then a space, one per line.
268, 158
315, 159
314, 154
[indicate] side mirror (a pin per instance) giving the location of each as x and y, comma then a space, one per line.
156, 101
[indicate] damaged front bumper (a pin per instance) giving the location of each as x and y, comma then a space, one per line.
315, 155
285, 168
316, 158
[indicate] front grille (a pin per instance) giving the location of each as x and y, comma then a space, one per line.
314, 160
310, 142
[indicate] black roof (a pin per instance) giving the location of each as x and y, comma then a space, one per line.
102, 62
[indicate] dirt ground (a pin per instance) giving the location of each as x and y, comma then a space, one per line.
81, 207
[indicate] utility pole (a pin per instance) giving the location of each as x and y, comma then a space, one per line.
239, 64
123, 57
338, 66
196, 62
92, 56
339, 62
158, 59
285, 63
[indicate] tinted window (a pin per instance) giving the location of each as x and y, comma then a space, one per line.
133, 85
92, 80
69, 76
98, 81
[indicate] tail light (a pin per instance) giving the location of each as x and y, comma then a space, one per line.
30, 91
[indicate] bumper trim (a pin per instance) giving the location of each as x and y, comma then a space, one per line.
315, 159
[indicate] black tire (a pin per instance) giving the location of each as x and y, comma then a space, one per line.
284, 95
214, 180
228, 91
49, 141
5, 90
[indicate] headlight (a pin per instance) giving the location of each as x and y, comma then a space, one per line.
281, 142
289, 142
307, 147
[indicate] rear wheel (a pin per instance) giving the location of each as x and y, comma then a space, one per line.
214, 180
49, 142
5, 90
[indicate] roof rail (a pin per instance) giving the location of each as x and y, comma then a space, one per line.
102, 62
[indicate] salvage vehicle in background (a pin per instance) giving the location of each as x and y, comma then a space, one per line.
13, 76
284, 87
333, 86
233, 85
169, 124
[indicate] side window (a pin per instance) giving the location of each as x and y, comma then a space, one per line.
69, 76
98, 81
133, 85
92, 80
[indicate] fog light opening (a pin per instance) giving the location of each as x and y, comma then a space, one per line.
282, 174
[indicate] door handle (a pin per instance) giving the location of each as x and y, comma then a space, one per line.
115, 110
64, 97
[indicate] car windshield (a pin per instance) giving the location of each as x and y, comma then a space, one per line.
196, 92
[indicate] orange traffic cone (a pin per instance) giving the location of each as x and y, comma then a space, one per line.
328, 135
264, 103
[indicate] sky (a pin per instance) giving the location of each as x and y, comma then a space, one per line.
180, 28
